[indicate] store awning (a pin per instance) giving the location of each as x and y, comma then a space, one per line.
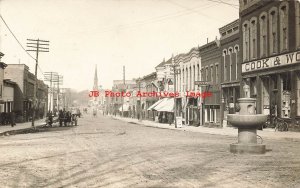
125, 107
167, 105
155, 104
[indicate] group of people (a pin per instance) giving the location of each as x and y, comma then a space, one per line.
8, 118
66, 117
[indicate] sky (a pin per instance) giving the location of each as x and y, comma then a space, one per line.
137, 34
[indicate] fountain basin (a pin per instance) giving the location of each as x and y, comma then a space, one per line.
247, 121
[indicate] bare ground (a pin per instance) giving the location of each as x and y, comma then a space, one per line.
102, 152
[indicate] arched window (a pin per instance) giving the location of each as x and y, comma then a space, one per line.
273, 18
263, 34
297, 5
253, 38
224, 67
230, 51
236, 48
246, 41
284, 9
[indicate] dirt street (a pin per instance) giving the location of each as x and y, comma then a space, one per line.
102, 152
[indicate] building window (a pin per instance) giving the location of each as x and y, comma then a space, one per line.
253, 41
206, 74
194, 77
236, 49
230, 51
224, 55
273, 30
245, 2
186, 78
298, 93
211, 73
298, 23
284, 26
263, 35
217, 73
246, 41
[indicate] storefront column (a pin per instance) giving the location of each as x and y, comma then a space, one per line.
222, 107
279, 93
258, 96
293, 96
233, 100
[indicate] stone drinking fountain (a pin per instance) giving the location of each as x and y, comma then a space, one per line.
247, 123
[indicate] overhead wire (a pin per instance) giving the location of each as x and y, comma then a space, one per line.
157, 19
12, 33
15, 36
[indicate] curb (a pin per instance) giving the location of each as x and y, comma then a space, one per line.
291, 139
23, 131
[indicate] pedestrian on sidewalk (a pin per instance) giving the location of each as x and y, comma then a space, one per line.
170, 118
12, 118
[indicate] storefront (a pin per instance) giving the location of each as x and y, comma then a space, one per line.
275, 83
230, 94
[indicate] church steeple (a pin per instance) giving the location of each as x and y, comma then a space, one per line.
95, 87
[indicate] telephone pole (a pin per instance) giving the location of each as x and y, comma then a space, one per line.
36, 45
175, 72
51, 77
123, 90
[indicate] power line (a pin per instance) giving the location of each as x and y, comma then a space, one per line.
19, 42
156, 19
222, 2
15, 36
193, 10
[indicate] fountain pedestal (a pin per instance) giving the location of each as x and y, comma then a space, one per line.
247, 123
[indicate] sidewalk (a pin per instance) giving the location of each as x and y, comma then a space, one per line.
20, 126
227, 131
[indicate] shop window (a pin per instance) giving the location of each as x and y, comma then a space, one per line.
286, 81
253, 89
286, 95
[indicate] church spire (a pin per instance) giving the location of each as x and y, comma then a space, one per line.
95, 87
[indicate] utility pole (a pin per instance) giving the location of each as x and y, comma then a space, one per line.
59, 82
140, 106
123, 90
36, 46
52, 77
174, 65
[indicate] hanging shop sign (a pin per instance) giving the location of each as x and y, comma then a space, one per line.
276, 61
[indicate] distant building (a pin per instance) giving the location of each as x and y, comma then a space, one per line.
210, 67
24, 91
189, 71
116, 104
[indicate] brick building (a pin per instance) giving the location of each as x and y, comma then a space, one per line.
230, 68
210, 71
271, 56
23, 95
